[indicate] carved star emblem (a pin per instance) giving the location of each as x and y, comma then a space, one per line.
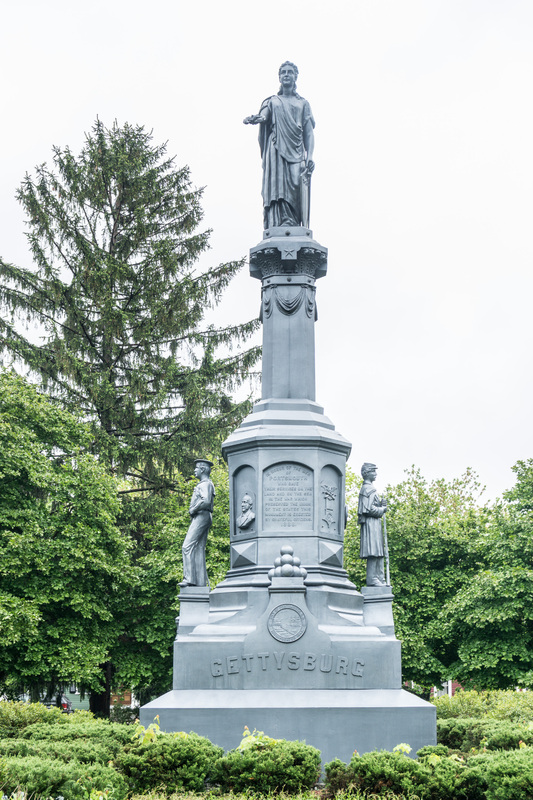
288, 253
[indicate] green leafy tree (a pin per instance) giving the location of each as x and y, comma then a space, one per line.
62, 557
490, 619
117, 290
434, 532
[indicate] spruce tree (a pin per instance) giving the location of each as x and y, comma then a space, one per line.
117, 291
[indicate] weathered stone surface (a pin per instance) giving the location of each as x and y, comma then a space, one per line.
286, 643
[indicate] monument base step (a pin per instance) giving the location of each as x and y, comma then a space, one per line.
336, 722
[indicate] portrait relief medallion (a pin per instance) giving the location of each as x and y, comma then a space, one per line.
287, 623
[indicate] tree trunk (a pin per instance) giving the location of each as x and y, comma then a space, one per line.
100, 702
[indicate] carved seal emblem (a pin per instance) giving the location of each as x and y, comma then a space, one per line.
287, 623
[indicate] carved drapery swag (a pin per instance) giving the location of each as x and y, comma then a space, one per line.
288, 301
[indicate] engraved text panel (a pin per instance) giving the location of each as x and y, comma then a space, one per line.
288, 497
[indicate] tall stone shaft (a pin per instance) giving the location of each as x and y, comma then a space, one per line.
286, 458
288, 263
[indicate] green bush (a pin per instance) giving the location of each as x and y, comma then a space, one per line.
86, 752
504, 775
175, 762
505, 705
42, 777
375, 773
16, 716
471, 732
433, 750
97, 730
3, 772
268, 766
382, 773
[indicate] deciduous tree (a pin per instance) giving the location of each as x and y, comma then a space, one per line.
63, 559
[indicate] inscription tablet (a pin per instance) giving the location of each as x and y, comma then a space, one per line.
288, 497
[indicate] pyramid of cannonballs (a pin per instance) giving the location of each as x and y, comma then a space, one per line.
287, 565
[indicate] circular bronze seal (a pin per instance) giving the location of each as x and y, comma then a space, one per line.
287, 623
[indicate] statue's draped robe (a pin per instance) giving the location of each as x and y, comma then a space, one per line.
281, 138
201, 511
369, 515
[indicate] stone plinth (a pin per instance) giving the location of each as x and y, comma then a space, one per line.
276, 666
337, 721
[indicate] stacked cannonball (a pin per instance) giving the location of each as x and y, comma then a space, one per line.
287, 565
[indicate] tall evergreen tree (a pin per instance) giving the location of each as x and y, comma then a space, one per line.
118, 293
117, 290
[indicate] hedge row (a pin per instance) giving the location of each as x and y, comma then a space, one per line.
506, 705
81, 754
73, 758
434, 776
471, 732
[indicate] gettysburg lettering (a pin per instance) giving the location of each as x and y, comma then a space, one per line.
308, 662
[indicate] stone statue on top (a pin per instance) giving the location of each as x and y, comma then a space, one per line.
286, 140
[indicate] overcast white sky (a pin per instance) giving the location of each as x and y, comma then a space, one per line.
423, 189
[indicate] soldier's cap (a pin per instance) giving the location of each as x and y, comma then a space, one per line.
367, 466
203, 461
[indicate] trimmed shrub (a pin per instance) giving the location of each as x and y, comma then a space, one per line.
376, 773
14, 717
471, 732
50, 777
86, 752
268, 766
383, 773
497, 704
433, 750
504, 775
97, 730
173, 762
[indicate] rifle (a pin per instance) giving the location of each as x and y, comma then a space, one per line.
386, 547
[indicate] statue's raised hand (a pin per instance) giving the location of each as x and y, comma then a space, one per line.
254, 119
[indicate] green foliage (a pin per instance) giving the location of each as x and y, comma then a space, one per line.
98, 731
86, 752
142, 654
177, 762
15, 716
433, 531
432, 750
117, 290
491, 617
255, 739
115, 286
143, 735
45, 777
267, 766
462, 579
503, 776
62, 556
505, 705
463, 733
378, 773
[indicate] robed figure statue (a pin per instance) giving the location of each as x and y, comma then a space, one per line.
286, 140
371, 509
201, 513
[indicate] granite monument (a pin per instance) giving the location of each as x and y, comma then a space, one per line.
286, 643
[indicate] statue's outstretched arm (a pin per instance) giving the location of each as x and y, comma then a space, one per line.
254, 119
